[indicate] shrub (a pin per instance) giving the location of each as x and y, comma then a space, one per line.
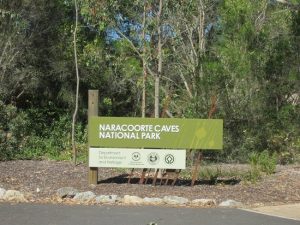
267, 162
260, 163
37, 134
13, 129
211, 174
55, 141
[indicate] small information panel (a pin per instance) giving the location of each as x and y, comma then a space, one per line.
137, 158
156, 133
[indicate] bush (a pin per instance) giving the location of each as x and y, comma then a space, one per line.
13, 129
261, 163
253, 175
37, 134
55, 141
267, 162
211, 174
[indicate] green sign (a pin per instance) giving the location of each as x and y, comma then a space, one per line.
155, 133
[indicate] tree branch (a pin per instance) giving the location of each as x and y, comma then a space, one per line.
135, 49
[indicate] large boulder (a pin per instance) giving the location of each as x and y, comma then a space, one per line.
175, 200
2, 193
102, 199
13, 195
66, 192
128, 199
204, 202
84, 196
153, 201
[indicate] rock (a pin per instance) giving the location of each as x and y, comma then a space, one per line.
84, 196
2, 193
175, 200
128, 199
13, 195
204, 202
153, 201
66, 192
92, 186
230, 203
107, 199
28, 195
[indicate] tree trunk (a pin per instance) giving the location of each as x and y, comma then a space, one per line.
159, 57
201, 37
159, 70
144, 64
77, 84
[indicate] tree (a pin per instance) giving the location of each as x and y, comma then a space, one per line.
12, 25
77, 83
192, 26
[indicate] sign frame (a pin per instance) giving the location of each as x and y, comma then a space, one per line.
204, 135
174, 133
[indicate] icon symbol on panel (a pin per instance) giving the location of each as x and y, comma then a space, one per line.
169, 159
136, 156
153, 158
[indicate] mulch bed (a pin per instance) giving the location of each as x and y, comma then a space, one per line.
41, 179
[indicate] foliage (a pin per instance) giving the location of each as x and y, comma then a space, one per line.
13, 126
261, 163
267, 162
35, 135
243, 53
211, 175
54, 141
253, 175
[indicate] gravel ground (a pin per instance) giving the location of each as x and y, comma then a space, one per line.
41, 179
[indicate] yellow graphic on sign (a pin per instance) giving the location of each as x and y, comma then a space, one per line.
201, 133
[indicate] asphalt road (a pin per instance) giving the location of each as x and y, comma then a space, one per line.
33, 214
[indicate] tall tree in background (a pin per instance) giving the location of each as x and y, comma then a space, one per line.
159, 60
12, 44
144, 60
77, 82
192, 24
244, 52
252, 48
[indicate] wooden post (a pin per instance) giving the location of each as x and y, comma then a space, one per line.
93, 111
196, 167
143, 176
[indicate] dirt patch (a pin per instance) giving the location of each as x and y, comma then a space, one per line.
41, 179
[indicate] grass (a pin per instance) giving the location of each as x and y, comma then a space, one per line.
220, 173
259, 164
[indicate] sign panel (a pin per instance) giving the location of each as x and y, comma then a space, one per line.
156, 133
137, 158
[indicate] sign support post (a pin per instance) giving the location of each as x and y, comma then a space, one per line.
93, 100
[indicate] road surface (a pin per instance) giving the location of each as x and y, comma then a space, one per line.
34, 214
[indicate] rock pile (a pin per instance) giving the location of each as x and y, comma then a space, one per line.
90, 197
